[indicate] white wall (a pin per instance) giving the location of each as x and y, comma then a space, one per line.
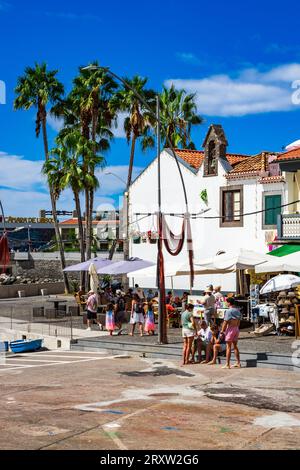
208, 236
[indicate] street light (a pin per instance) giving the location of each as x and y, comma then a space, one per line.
162, 335
126, 215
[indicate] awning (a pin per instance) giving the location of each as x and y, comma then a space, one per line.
285, 250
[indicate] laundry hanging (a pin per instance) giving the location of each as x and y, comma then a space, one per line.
174, 243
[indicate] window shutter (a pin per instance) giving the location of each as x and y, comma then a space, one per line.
270, 203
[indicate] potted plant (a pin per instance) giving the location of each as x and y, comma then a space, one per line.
204, 196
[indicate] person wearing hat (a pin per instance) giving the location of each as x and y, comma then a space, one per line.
91, 307
208, 303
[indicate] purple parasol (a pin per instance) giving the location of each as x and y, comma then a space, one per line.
125, 267
98, 262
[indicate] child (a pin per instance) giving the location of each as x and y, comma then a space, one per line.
110, 319
149, 324
217, 343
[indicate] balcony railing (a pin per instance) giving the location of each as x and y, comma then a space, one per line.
288, 227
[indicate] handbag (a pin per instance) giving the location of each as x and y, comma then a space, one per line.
190, 325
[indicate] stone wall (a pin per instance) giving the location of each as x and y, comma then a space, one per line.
31, 290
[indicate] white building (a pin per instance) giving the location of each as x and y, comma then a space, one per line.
234, 184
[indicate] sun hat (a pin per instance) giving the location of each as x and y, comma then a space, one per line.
291, 294
208, 289
284, 310
291, 319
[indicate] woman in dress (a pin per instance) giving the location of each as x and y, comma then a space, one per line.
110, 319
149, 323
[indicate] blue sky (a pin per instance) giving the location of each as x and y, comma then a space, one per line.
240, 61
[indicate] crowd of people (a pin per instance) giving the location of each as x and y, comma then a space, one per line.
204, 339
211, 338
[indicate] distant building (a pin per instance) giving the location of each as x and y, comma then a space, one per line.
31, 233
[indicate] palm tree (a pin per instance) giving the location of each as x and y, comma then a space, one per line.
178, 113
37, 88
139, 122
87, 109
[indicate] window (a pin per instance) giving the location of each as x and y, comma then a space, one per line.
212, 160
272, 208
231, 201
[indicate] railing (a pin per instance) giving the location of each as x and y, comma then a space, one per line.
41, 320
288, 227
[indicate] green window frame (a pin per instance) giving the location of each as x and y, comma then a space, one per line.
272, 203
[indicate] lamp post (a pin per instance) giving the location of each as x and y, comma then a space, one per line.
162, 334
125, 214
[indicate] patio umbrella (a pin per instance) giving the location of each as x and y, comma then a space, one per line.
98, 262
125, 267
94, 280
227, 262
289, 262
281, 282
150, 272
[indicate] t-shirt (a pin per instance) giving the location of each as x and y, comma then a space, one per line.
209, 302
186, 319
205, 335
232, 314
92, 303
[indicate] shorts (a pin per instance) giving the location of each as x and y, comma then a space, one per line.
91, 315
120, 317
232, 334
187, 333
137, 318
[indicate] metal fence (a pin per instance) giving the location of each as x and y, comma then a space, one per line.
39, 318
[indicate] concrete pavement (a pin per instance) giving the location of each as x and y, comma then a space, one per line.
81, 400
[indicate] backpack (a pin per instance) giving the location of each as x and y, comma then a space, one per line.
138, 307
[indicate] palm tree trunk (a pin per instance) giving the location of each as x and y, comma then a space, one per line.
54, 214
130, 167
129, 179
91, 219
80, 235
87, 225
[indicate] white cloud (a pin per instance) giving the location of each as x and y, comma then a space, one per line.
250, 92
19, 173
55, 123
23, 188
118, 131
115, 183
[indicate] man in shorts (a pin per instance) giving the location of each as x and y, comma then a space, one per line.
91, 307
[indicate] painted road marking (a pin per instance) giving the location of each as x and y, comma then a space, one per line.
18, 363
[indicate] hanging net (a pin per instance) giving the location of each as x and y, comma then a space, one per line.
4, 252
175, 243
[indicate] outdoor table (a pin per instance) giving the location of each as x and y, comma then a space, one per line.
56, 303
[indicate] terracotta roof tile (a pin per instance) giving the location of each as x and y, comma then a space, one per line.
74, 221
195, 157
291, 155
249, 165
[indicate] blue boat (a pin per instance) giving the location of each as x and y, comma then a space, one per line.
26, 345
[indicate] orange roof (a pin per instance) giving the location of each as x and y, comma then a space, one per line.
74, 221
291, 155
195, 157
250, 165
